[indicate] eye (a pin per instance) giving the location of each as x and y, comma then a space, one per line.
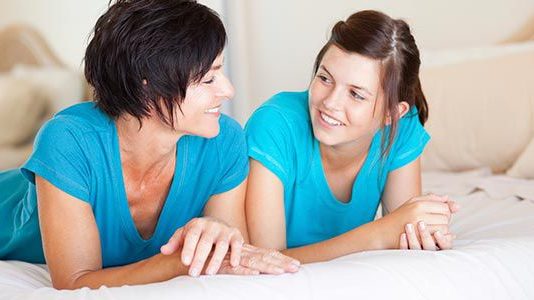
323, 78
356, 96
209, 81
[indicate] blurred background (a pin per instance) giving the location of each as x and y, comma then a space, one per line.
271, 48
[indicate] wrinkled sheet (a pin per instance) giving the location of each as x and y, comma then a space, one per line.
493, 258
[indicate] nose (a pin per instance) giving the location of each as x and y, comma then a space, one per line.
226, 88
333, 101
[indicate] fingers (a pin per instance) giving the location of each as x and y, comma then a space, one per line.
438, 208
413, 242
403, 243
435, 219
236, 244
444, 242
426, 239
201, 236
453, 206
430, 197
218, 255
279, 260
190, 244
239, 270
268, 261
440, 227
202, 252
174, 243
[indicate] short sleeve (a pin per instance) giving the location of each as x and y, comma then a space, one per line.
58, 156
410, 141
269, 142
232, 153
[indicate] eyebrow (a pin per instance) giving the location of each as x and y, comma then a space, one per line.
352, 85
215, 68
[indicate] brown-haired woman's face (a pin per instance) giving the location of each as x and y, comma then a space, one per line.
345, 98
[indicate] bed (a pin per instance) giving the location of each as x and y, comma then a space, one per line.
492, 259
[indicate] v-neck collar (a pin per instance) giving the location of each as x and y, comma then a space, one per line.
319, 176
122, 200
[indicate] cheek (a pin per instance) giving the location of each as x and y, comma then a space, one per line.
316, 92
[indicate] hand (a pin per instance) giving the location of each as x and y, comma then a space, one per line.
426, 241
267, 261
198, 237
435, 211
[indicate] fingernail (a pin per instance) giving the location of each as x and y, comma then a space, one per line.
194, 272
210, 271
234, 263
296, 262
422, 225
279, 271
293, 268
409, 228
187, 260
438, 233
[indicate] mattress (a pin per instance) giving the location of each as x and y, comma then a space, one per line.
493, 258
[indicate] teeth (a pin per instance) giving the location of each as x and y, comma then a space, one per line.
213, 110
330, 120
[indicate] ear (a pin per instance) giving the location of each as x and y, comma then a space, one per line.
402, 108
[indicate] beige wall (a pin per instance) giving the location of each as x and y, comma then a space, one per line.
65, 24
272, 43
282, 37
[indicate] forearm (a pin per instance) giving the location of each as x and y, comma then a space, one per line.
154, 269
377, 235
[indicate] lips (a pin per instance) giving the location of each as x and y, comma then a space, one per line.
213, 110
330, 120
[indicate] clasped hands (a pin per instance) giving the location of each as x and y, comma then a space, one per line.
208, 239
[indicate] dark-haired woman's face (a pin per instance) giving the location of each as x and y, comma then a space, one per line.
202, 104
345, 98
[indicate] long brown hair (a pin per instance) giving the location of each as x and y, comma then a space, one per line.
375, 35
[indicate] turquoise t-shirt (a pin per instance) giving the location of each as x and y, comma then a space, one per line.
280, 136
78, 152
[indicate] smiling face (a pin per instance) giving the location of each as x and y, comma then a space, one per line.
346, 102
202, 104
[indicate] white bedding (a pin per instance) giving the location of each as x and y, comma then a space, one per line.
493, 258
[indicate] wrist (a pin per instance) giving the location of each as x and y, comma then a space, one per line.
388, 229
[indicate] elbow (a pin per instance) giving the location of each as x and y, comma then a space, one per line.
73, 283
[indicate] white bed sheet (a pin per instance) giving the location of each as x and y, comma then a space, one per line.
493, 258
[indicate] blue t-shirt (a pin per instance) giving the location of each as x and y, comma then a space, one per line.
280, 137
78, 152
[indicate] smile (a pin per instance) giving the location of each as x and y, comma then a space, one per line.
213, 110
330, 120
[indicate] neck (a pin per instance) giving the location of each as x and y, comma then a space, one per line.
146, 150
341, 157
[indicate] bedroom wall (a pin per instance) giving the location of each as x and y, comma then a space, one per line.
283, 36
65, 24
272, 43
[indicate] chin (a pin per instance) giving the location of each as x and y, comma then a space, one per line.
209, 132
325, 139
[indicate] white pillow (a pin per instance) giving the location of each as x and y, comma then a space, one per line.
481, 108
524, 165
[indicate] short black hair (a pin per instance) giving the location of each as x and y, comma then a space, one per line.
168, 43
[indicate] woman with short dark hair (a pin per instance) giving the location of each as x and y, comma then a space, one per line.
147, 182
